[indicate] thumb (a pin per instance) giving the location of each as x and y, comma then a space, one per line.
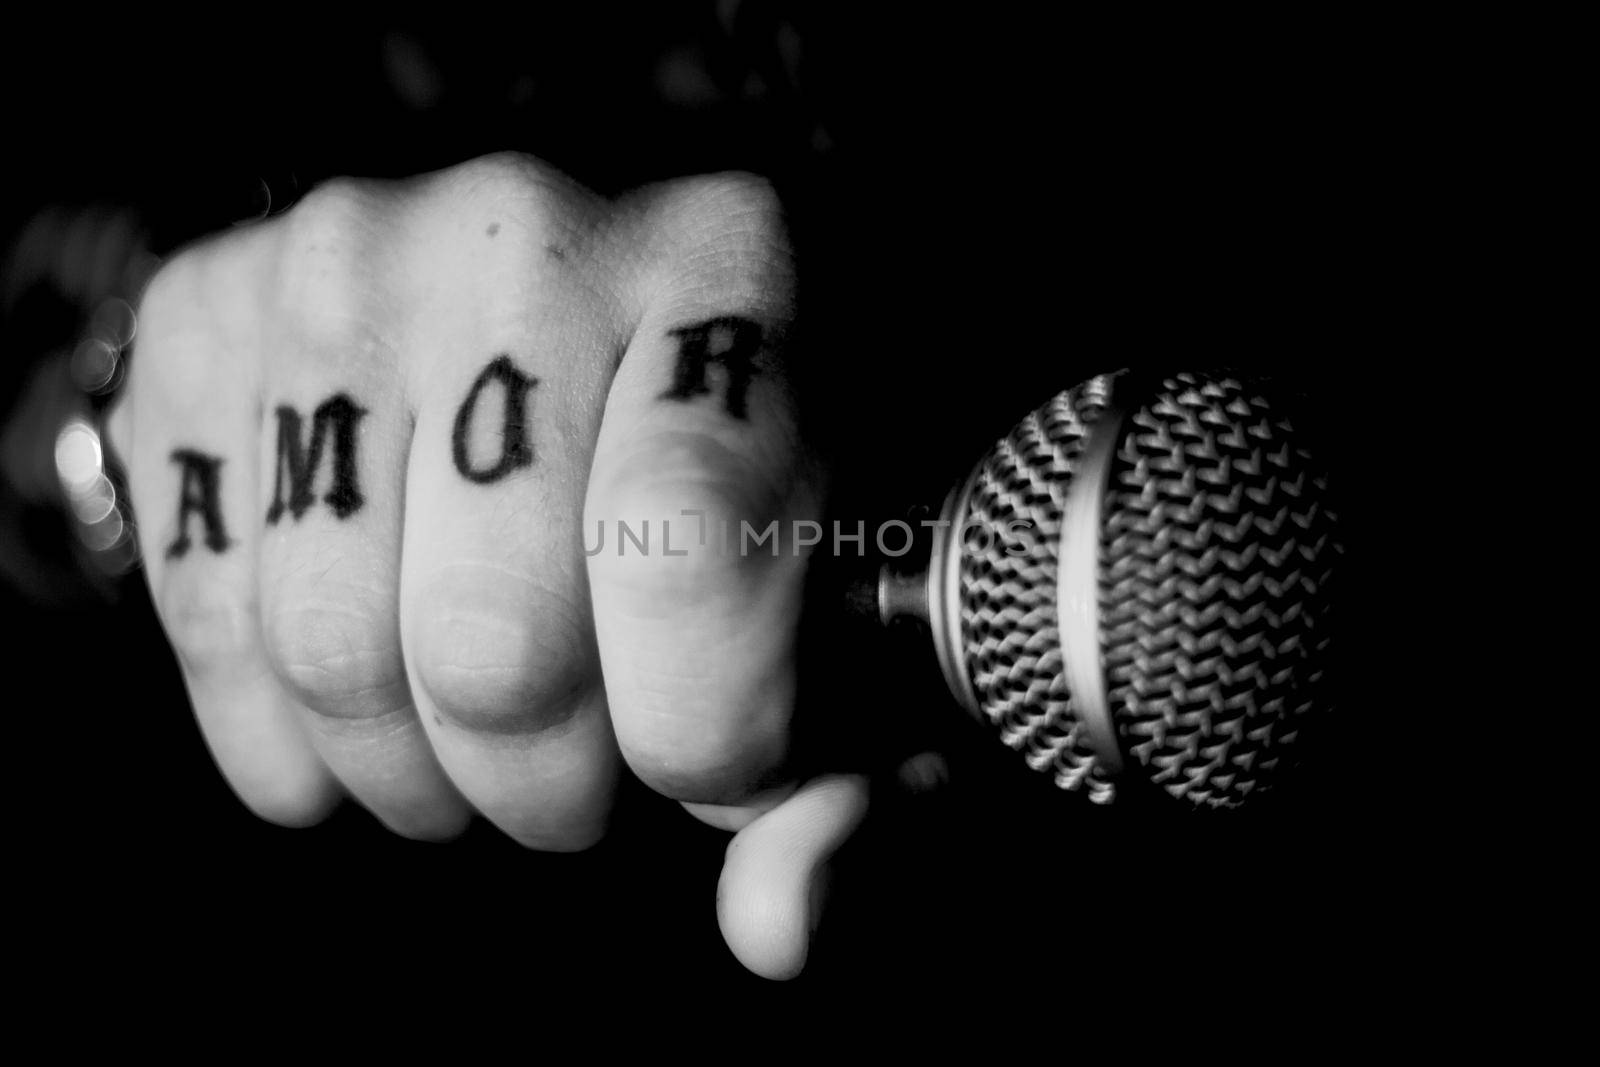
771, 888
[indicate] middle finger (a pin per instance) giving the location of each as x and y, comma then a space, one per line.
510, 363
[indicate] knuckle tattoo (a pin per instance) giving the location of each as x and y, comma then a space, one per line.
715, 362
515, 448
298, 460
716, 358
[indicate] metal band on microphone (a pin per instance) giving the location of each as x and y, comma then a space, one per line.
1078, 588
933, 594
944, 595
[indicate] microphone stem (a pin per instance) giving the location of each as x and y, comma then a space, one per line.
902, 593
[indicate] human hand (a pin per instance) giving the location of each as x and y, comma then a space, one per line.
374, 443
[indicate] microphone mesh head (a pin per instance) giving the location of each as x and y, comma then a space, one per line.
1008, 598
1216, 561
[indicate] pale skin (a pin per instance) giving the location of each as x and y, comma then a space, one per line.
428, 635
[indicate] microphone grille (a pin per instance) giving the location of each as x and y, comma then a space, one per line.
1217, 559
1215, 562
1008, 597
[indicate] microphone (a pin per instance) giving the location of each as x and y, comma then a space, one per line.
1135, 587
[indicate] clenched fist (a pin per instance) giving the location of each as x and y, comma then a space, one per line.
453, 489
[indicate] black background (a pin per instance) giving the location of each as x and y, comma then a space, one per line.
997, 205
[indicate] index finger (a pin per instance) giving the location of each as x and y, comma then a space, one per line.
697, 486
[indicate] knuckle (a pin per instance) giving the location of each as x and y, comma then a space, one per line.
724, 242
701, 505
211, 632
325, 253
170, 289
500, 657
199, 312
510, 185
686, 468
727, 214
503, 174
172, 307
736, 199
331, 212
341, 661
702, 758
